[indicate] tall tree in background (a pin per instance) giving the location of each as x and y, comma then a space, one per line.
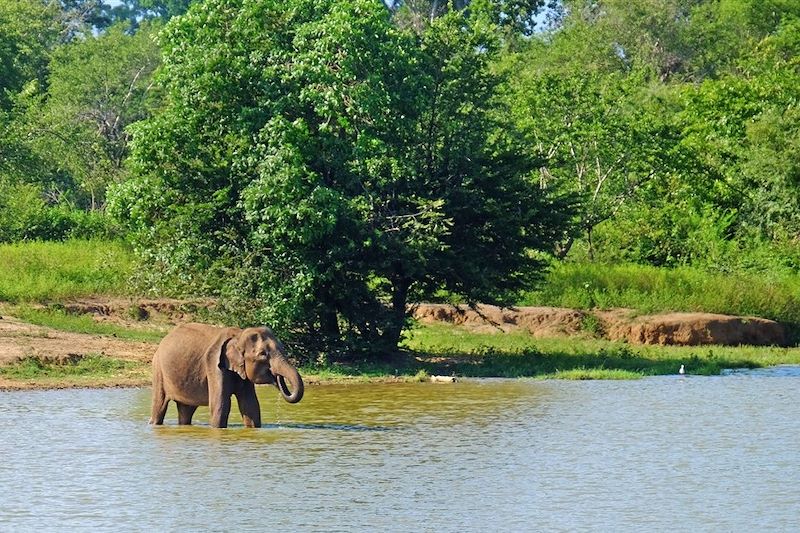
593, 135
746, 125
67, 93
686, 39
321, 167
133, 12
28, 32
96, 88
518, 16
79, 18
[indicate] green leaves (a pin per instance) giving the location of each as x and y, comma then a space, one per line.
358, 161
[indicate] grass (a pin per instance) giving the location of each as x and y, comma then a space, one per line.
52, 271
648, 289
58, 319
91, 370
453, 350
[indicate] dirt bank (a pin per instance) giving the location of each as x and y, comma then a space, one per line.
19, 339
680, 329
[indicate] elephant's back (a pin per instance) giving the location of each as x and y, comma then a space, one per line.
181, 362
187, 341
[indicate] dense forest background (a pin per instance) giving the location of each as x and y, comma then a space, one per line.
317, 165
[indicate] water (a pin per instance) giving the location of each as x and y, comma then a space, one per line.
660, 454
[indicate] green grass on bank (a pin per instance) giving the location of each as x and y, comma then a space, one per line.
42, 271
91, 370
58, 271
773, 295
454, 350
91, 365
58, 319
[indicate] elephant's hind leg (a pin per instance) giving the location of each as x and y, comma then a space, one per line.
160, 403
185, 413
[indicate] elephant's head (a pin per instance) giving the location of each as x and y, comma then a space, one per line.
255, 354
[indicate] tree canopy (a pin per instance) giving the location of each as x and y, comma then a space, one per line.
328, 165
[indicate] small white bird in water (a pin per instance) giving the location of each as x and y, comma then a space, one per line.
681, 370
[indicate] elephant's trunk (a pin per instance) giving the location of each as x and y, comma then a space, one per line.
284, 371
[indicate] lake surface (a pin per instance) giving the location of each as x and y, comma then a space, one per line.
660, 454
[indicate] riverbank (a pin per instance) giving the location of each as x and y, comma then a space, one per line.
96, 343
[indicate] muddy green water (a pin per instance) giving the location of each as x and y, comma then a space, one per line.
660, 454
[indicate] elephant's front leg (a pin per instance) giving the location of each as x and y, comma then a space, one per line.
248, 405
220, 409
219, 400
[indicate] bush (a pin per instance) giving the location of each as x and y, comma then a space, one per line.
26, 216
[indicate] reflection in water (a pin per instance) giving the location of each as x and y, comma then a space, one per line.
658, 454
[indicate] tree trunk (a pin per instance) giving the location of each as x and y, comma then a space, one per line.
329, 323
391, 336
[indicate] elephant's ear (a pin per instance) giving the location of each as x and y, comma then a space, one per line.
231, 357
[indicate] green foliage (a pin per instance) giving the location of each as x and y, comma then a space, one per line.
28, 31
678, 39
133, 12
66, 99
96, 88
513, 16
25, 216
46, 271
319, 177
674, 120
598, 135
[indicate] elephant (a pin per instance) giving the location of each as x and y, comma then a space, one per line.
199, 364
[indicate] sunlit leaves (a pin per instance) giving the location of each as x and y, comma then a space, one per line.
326, 165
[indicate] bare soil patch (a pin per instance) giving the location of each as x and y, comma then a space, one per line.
133, 313
19, 339
680, 329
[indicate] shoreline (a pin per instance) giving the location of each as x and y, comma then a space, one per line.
110, 348
63, 383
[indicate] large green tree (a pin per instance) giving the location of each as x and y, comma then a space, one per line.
320, 168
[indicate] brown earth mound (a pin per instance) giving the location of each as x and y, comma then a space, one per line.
692, 329
682, 329
539, 321
126, 310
